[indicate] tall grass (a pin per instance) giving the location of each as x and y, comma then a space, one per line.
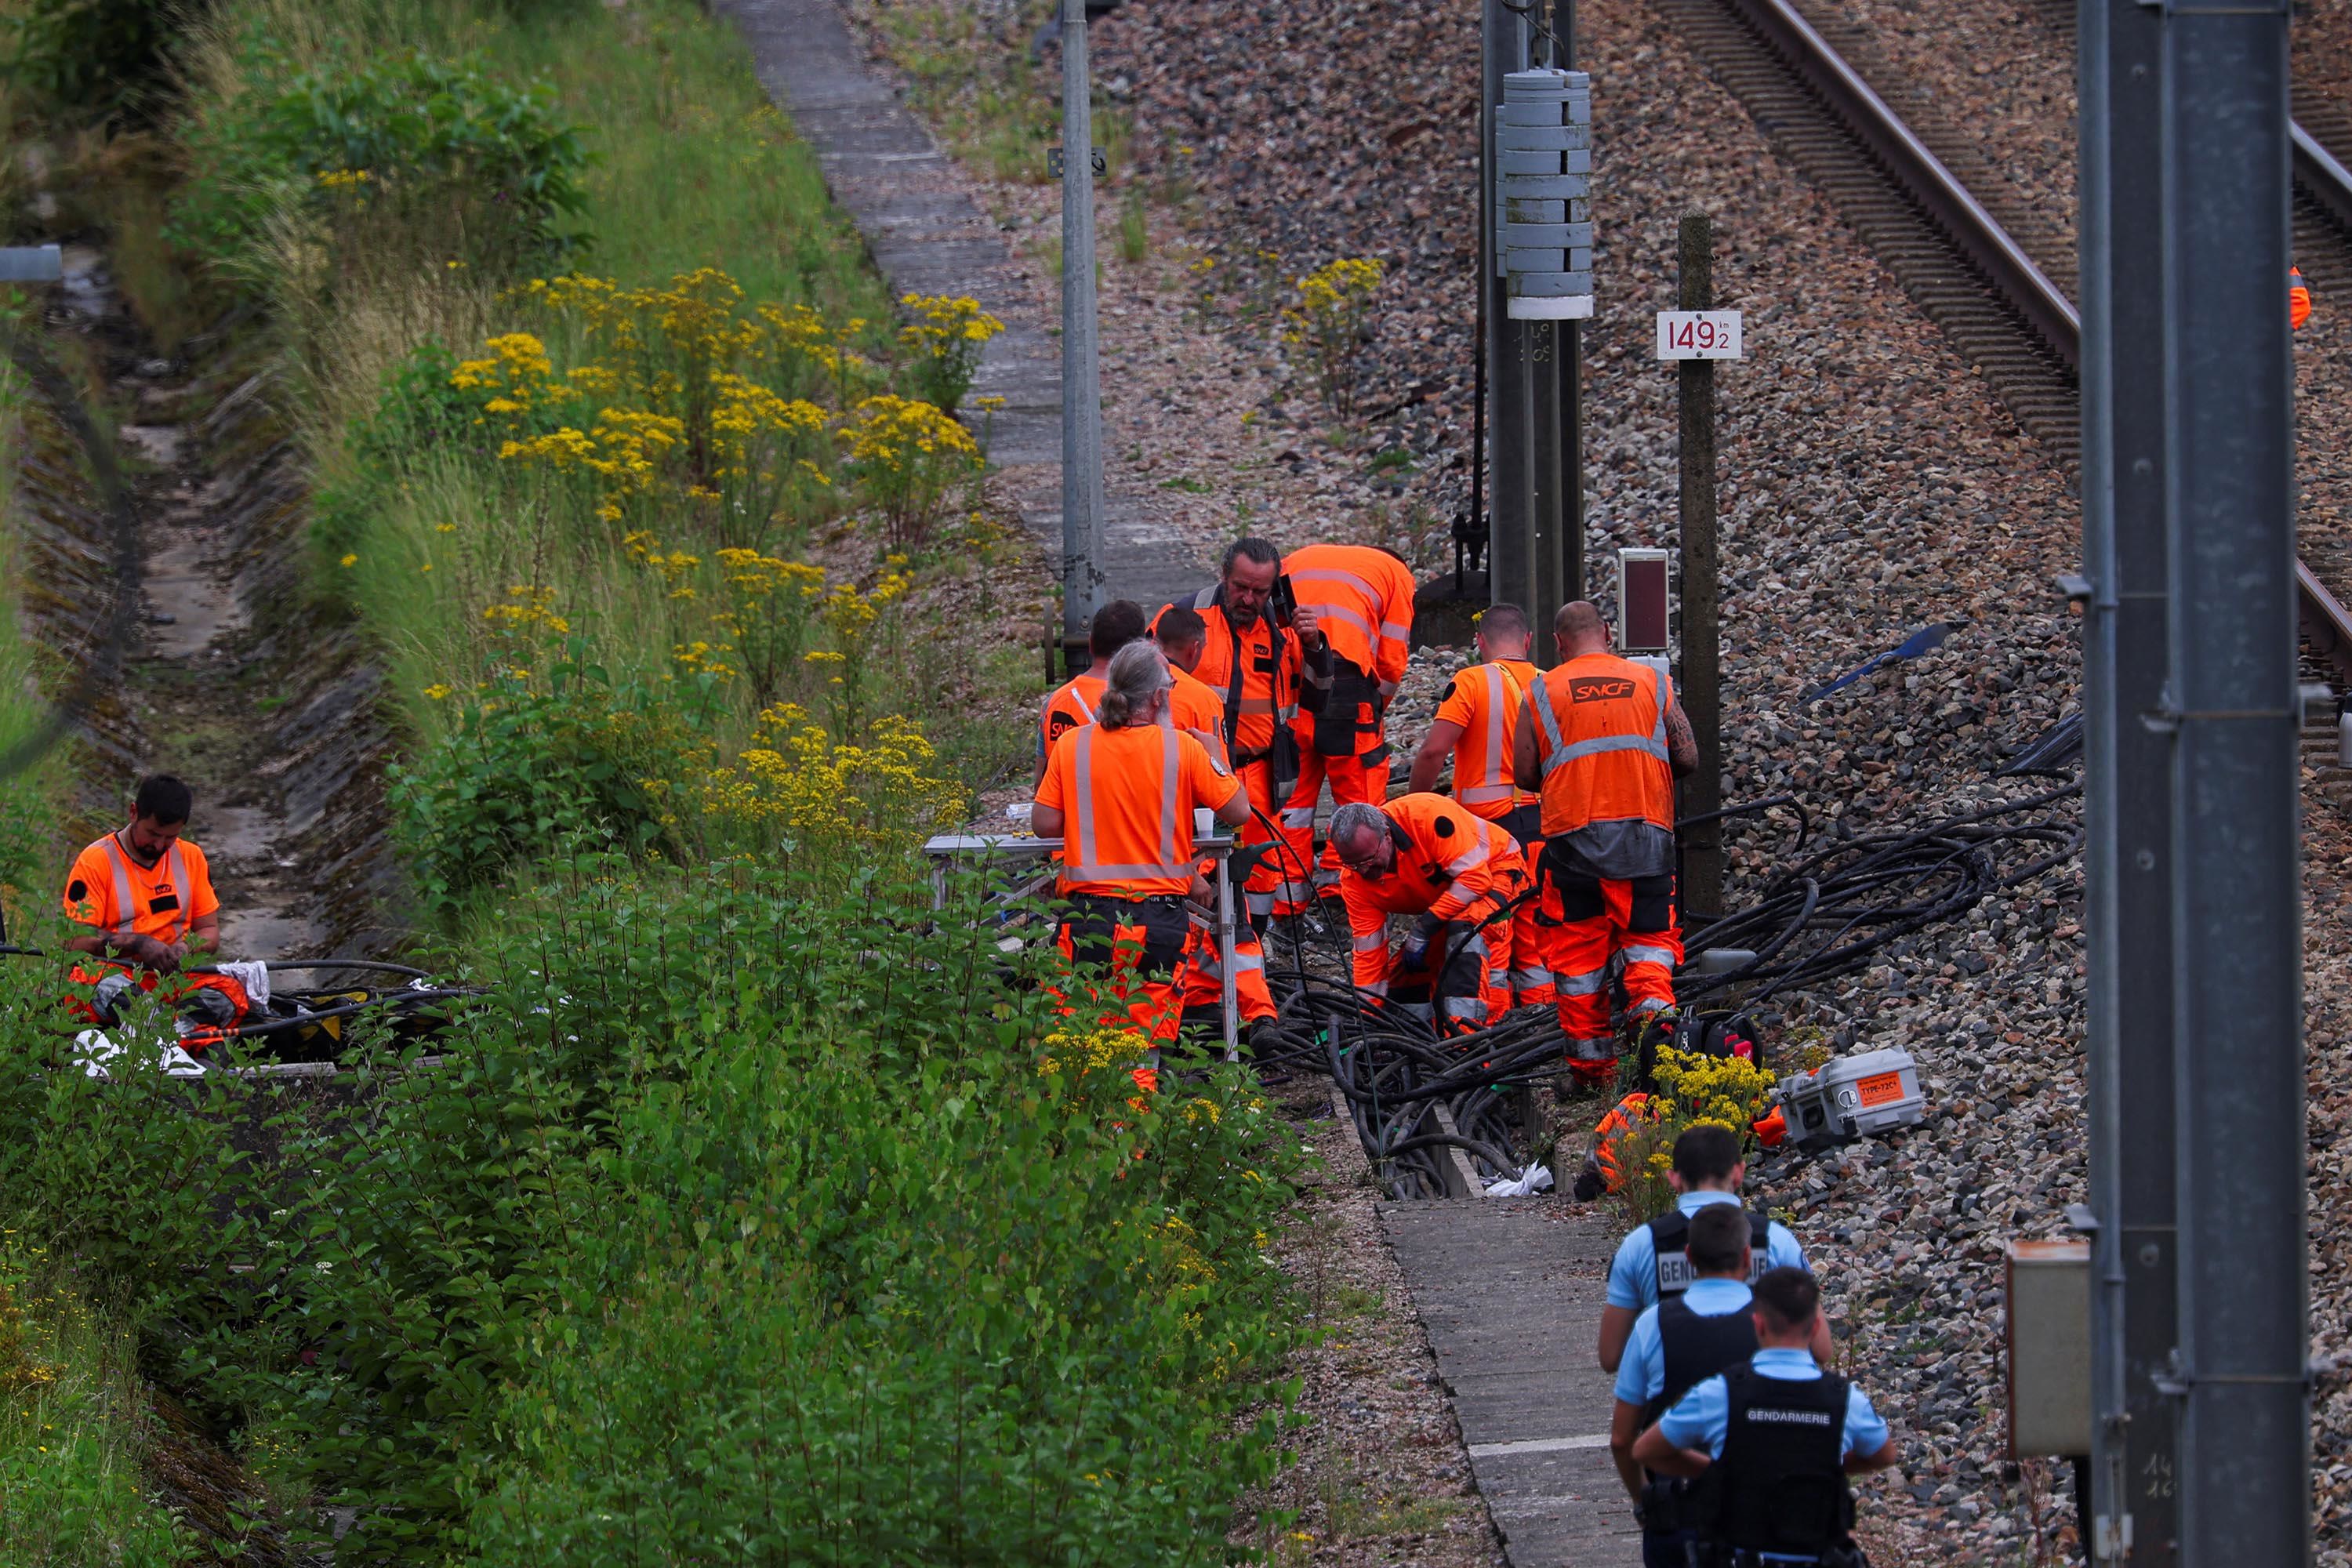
73, 1424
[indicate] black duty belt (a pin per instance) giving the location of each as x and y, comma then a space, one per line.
1251, 759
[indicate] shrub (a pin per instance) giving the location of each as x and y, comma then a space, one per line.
754, 1215
416, 148
909, 459
943, 339
1334, 306
102, 58
530, 759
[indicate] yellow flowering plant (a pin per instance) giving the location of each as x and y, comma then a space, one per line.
908, 460
942, 338
769, 603
1333, 307
1693, 1086
797, 786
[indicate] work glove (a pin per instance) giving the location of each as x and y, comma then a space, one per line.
1414, 953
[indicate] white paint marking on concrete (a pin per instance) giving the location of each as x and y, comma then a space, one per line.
1537, 1446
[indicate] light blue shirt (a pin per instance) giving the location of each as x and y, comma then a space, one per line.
1698, 1420
1642, 1375
1633, 1272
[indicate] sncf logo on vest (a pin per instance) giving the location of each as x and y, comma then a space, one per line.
1599, 688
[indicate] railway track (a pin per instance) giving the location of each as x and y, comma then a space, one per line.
1980, 286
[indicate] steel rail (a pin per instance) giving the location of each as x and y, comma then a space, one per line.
1992, 251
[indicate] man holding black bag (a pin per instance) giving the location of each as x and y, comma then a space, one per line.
1250, 656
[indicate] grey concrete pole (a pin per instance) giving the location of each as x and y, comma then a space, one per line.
1702, 688
2128, 782
1510, 571
1082, 479
2238, 1068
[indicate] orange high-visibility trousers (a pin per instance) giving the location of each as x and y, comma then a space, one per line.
1602, 918
1264, 826
1466, 988
1352, 781
1144, 945
1203, 987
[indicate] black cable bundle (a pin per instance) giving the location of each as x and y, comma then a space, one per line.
1826, 915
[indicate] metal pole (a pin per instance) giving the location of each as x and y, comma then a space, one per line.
2128, 782
1702, 792
1510, 568
1082, 480
2238, 1068
1569, 580
1227, 988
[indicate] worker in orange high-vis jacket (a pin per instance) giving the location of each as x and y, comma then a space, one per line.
1182, 637
2298, 299
1603, 742
1251, 661
1354, 616
1423, 854
1476, 724
1072, 703
147, 893
145, 888
1120, 793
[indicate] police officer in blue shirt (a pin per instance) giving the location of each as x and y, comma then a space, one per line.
1676, 1345
1649, 1264
1770, 1445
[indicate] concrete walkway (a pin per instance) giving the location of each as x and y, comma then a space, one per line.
927, 236
1510, 1291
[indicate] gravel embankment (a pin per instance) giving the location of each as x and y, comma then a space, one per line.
1870, 485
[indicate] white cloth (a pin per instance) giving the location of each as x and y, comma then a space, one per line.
254, 977
1526, 1185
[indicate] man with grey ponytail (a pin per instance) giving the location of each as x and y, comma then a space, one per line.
1120, 794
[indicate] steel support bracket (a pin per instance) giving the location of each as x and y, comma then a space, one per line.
2073, 587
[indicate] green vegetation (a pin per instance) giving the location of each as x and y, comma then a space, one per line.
71, 1429
755, 1213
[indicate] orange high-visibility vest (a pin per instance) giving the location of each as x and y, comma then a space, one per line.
112, 891
1127, 797
2298, 299
1071, 704
1487, 701
1192, 706
1364, 597
1449, 864
1601, 726
1266, 658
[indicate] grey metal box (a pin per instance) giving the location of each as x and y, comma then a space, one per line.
2049, 1313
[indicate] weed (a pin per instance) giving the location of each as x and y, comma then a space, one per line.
1330, 318
1134, 230
1189, 485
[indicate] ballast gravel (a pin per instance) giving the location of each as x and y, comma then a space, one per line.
1870, 485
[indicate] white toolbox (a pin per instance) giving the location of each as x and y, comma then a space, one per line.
1851, 1096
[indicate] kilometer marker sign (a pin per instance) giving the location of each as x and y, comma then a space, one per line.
1698, 334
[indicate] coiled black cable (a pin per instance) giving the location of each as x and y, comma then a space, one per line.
1826, 914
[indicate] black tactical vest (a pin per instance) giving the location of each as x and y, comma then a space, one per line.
1780, 1484
1670, 1232
1697, 1348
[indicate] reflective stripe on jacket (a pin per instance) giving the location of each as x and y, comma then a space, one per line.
1127, 797
1600, 729
1364, 597
1488, 701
